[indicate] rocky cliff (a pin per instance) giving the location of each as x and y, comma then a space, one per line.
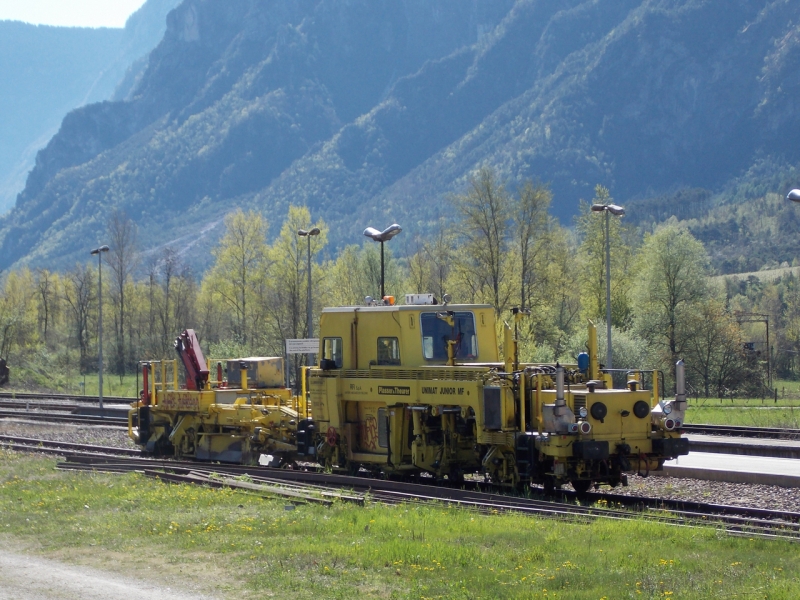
48, 71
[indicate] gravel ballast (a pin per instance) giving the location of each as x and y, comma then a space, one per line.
672, 488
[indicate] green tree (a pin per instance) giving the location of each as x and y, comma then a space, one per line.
531, 236
345, 283
122, 234
713, 347
238, 274
429, 268
356, 273
485, 211
556, 302
80, 296
287, 291
591, 228
48, 305
671, 284
17, 313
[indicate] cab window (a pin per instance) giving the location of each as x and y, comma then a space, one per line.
440, 328
332, 350
388, 351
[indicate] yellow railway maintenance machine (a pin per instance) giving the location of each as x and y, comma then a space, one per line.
236, 420
402, 390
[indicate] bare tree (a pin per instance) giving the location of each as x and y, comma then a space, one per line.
122, 260
531, 223
429, 267
79, 293
485, 213
47, 291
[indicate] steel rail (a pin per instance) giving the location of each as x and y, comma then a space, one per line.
37, 445
70, 397
743, 431
736, 520
50, 417
26, 406
37, 405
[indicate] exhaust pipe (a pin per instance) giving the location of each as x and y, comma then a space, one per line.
560, 385
680, 382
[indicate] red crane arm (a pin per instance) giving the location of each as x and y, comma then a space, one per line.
188, 348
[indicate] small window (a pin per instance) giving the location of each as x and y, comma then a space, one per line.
383, 437
332, 350
388, 351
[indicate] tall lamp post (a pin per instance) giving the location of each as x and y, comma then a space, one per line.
383, 236
794, 196
99, 252
617, 211
310, 315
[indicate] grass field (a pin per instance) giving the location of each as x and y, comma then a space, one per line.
242, 546
87, 385
754, 412
112, 386
751, 416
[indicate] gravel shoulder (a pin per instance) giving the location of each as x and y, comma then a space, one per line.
672, 488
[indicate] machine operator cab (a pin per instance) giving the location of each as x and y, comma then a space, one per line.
421, 333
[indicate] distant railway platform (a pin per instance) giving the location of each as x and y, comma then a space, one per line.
735, 468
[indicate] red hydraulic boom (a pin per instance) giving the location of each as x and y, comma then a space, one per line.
188, 349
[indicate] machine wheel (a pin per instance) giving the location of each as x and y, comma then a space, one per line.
581, 486
455, 475
550, 486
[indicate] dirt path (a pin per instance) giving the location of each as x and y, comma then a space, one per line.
34, 578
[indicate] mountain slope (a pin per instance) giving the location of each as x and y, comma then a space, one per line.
232, 95
371, 112
656, 101
48, 71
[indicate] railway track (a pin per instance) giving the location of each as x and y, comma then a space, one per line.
28, 405
64, 397
734, 520
63, 408
64, 417
311, 486
48, 446
742, 431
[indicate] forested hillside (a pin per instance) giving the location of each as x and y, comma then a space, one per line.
502, 248
369, 112
48, 71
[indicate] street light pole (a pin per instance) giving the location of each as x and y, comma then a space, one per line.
99, 252
618, 211
309, 306
608, 293
383, 236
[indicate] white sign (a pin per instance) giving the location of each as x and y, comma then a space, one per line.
307, 346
